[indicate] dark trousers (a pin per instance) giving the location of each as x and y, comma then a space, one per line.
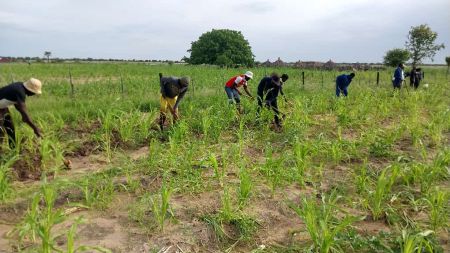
271, 104
397, 84
341, 88
7, 126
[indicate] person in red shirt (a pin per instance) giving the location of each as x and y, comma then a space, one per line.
232, 88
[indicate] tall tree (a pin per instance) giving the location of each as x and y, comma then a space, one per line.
396, 56
221, 47
47, 54
421, 43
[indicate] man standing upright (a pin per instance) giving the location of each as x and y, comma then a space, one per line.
173, 90
342, 83
399, 76
415, 76
15, 94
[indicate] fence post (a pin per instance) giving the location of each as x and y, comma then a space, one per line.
71, 83
303, 79
378, 77
121, 83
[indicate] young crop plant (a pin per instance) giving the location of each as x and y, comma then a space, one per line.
52, 155
5, 180
245, 187
302, 152
273, 169
362, 179
98, 191
322, 222
39, 221
417, 242
437, 201
219, 171
161, 206
375, 199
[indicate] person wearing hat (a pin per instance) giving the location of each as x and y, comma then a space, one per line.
342, 83
173, 90
271, 86
399, 76
15, 94
232, 88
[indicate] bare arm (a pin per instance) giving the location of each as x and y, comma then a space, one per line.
21, 107
182, 93
246, 91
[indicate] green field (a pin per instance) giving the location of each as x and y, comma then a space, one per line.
367, 173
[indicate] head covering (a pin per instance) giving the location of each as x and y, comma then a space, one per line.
249, 74
276, 79
33, 85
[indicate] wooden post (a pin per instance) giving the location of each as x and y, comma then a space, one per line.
303, 79
71, 83
378, 77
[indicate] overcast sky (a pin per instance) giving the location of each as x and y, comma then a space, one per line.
341, 30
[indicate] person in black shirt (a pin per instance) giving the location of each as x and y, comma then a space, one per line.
15, 94
271, 87
415, 76
173, 90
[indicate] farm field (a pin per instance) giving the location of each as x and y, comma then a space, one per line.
367, 173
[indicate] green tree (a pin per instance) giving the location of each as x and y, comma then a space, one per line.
421, 43
47, 54
221, 47
396, 56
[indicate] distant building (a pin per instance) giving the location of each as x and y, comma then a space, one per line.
308, 64
279, 63
329, 65
266, 63
5, 59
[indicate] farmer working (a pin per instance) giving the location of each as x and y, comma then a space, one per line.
342, 83
232, 88
415, 76
399, 76
173, 90
15, 94
271, 87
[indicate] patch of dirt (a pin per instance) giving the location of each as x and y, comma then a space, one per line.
334, 176
139, 153
5, 245
85, 164
371, 227
86, 148
278, 222
28, 167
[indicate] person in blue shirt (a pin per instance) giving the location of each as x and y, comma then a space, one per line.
342, 83
399, 76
